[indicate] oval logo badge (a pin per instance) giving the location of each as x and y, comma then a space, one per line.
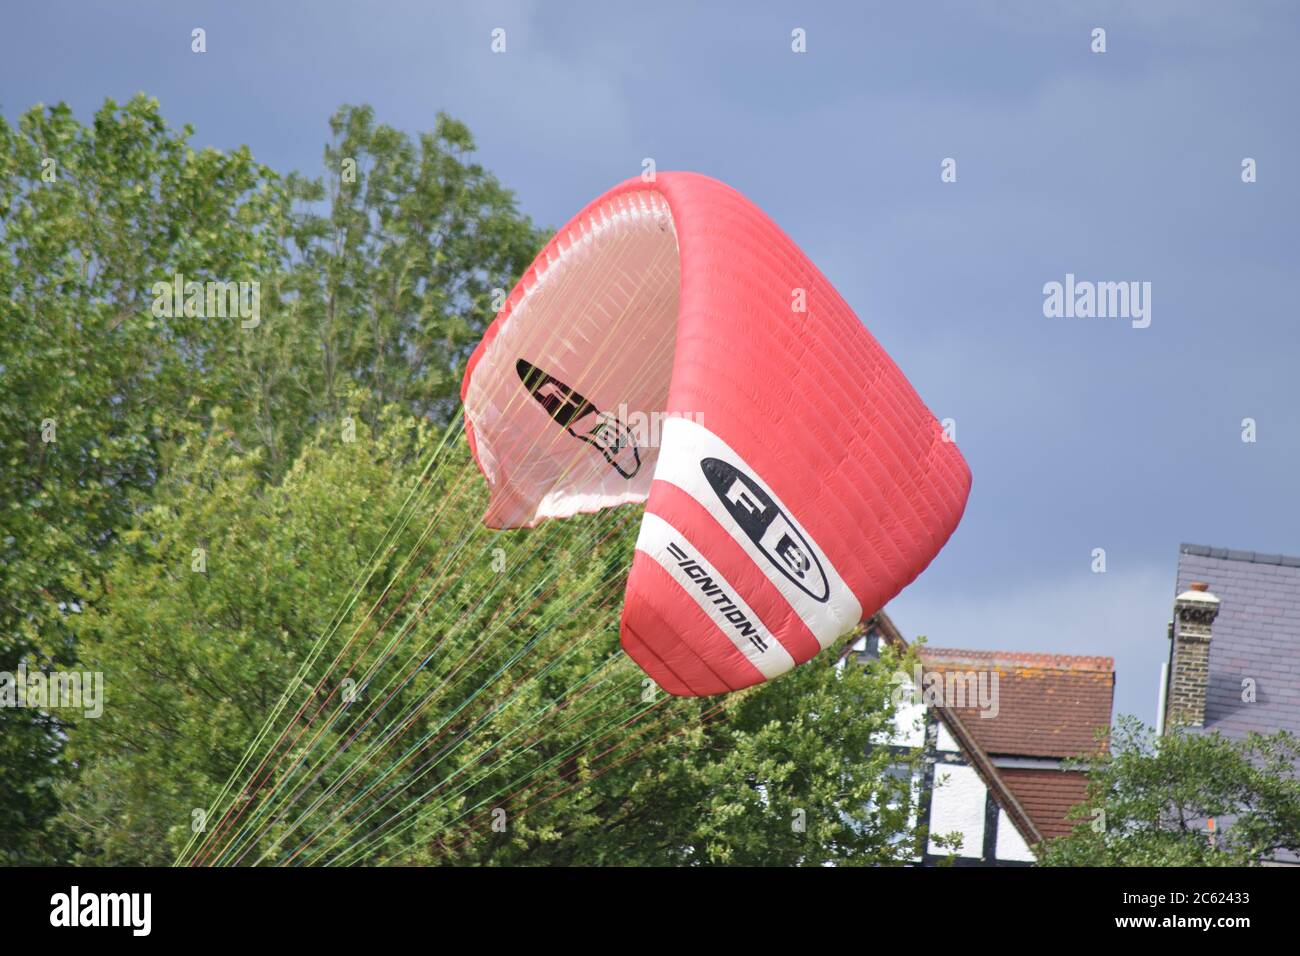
765, 524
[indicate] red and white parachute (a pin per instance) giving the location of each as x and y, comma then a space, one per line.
672, 345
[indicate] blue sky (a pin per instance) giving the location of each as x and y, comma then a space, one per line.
1122, 166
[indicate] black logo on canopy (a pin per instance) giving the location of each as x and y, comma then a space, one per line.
765, 524
582, 420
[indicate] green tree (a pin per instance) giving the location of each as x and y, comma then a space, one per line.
92, 384
395, 261
384, 285
521, 701
1149, 799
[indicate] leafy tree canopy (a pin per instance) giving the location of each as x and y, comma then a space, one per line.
378, 279
1150, 799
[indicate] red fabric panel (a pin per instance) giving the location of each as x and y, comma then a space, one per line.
674, 641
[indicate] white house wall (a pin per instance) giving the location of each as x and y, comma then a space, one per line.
946, 743
958, 805
959, 799
1010, 844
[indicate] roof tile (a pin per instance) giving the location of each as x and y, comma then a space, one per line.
1048, 705
1047, 796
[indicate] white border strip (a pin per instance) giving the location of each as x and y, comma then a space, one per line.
685, 443
714, 594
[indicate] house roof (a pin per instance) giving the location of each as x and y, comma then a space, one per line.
1048, 705
1047, 796
978, 757
1256, 636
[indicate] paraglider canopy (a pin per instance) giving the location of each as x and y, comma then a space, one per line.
672, 346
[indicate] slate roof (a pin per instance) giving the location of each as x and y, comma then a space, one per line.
1256, 635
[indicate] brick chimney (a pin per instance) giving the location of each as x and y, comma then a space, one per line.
1194, 613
